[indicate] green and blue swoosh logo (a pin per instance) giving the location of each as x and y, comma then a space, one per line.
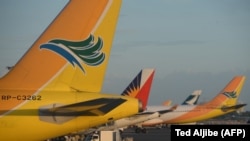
78, 52
230, 94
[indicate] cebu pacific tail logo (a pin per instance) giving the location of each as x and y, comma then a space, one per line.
78, 52
230, 94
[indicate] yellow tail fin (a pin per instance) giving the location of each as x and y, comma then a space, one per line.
72, 53
230, 94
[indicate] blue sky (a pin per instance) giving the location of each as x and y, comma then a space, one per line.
192, 44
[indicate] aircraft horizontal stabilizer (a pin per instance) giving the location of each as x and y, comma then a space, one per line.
235, 107
58, 113
168, 110
160, 112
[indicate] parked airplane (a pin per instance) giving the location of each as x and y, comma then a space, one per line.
54, 89
225, 102
193, 98
167, 103
190, 100
139, 88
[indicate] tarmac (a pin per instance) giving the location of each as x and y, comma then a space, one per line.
129, 134
152, 134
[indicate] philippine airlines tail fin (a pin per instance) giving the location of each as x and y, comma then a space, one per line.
230, 94
193, 98
72, 53
140, 86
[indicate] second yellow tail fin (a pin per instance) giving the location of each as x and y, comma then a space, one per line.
72, 53
230, 94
